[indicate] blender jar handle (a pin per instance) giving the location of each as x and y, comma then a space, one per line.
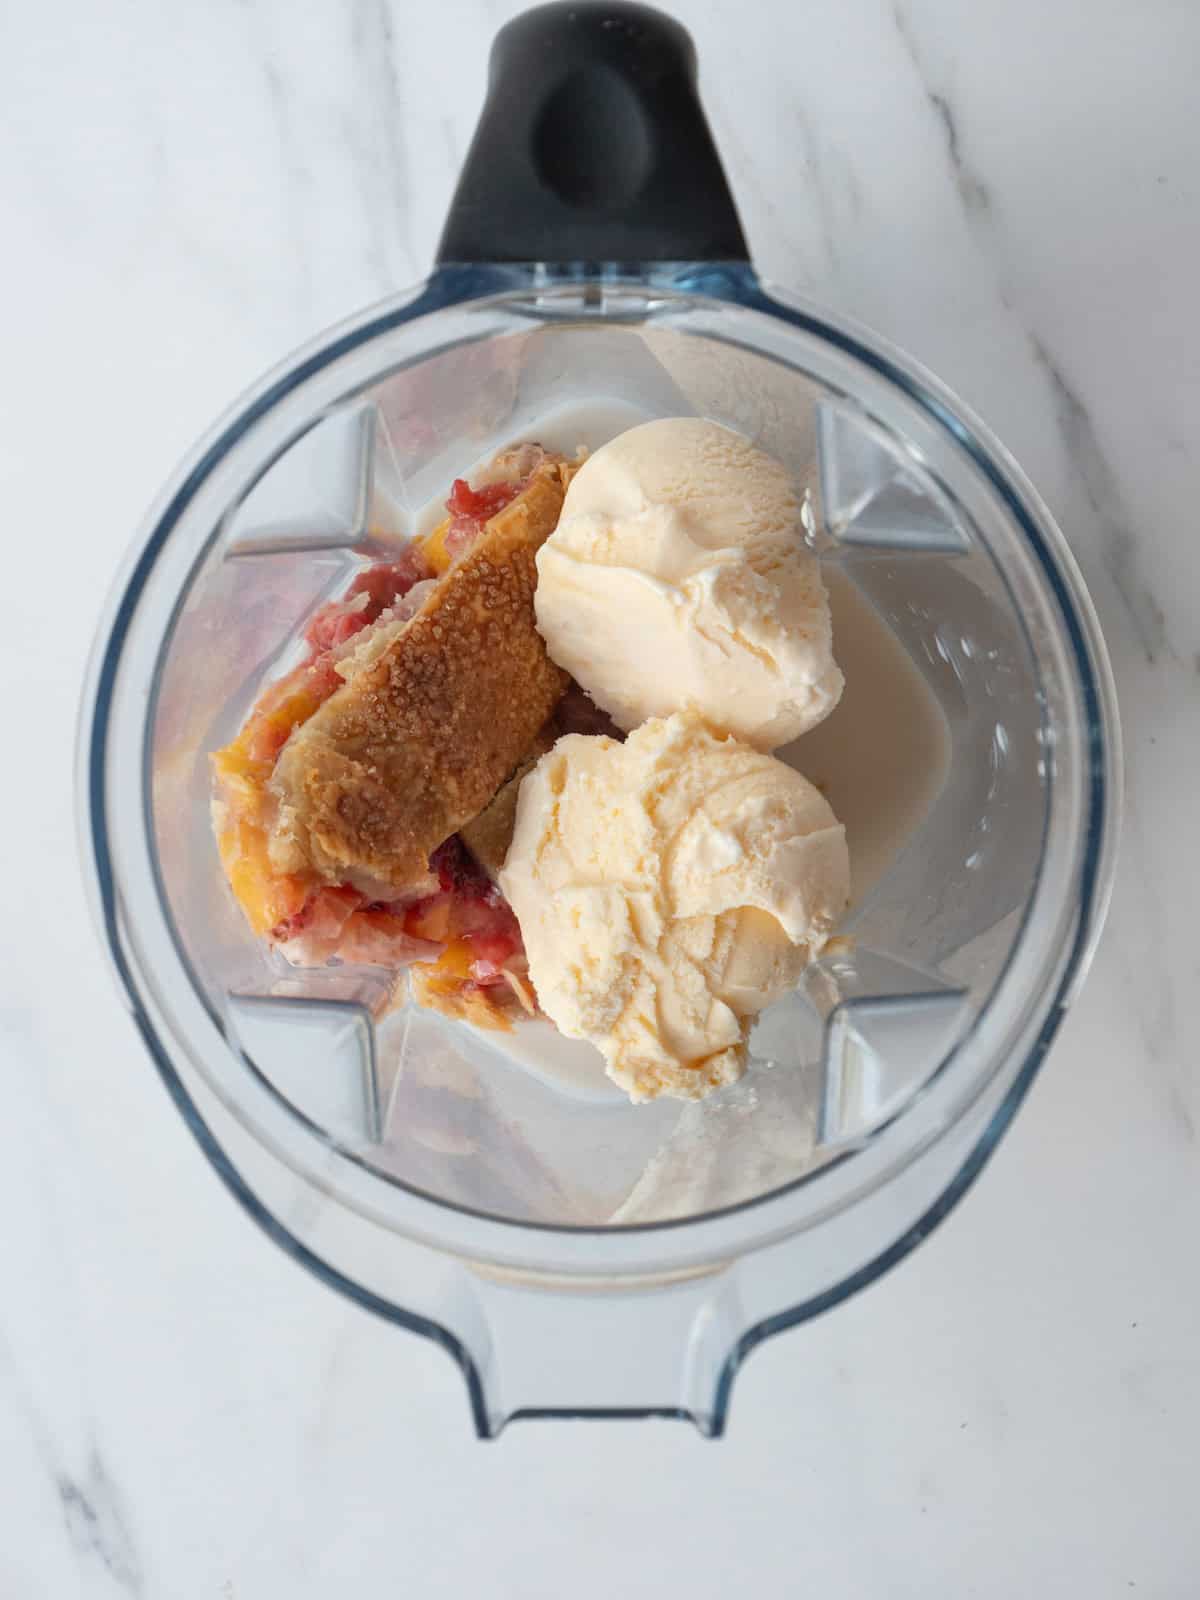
592, 147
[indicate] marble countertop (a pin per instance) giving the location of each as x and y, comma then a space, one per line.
1010, 191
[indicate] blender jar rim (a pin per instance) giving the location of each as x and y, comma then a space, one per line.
718, 285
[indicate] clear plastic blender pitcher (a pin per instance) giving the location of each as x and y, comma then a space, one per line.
578, 1255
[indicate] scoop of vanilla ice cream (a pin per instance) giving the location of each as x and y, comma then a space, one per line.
678, 578
669, 888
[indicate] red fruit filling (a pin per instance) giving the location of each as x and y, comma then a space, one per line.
458, 871
468, 906
468, 913
382, 586
471, 508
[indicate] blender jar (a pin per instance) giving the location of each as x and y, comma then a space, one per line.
578, 1255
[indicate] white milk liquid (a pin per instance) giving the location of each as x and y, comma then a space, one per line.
880, 757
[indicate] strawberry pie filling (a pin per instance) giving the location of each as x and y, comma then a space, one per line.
462, 925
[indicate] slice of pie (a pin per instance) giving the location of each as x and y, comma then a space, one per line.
435, 712
343, 806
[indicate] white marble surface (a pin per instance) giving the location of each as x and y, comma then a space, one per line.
1010, 190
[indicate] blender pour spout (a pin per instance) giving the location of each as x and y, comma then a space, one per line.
574, 1350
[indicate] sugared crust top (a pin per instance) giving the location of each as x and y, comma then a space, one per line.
417, 744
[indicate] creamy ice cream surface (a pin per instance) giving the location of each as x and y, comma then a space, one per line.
678, 579
669, 888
